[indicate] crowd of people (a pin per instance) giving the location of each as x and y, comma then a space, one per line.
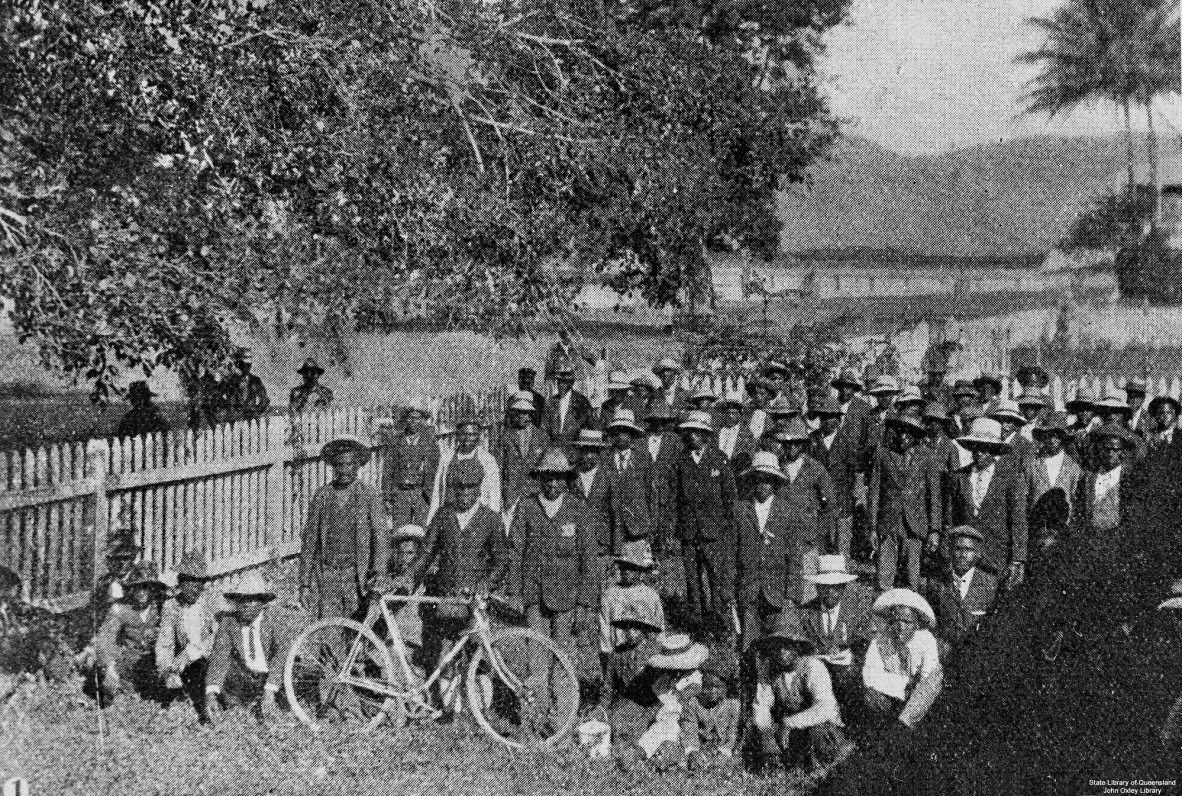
773, 577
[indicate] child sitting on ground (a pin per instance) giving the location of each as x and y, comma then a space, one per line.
713, 719
633, 564
678, 682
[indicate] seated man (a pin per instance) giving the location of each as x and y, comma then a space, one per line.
631, 592
902, 674
249, 650
672, 732
626, 700
187, 628
840, 624
125, 646
794, 713
963, 594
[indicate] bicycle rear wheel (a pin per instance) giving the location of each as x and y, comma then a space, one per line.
316, 666
529, 695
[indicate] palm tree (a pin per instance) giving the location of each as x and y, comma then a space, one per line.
1120, 51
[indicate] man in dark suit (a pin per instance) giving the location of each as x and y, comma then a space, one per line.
1141, 423
591, 483
518, 451
904, 502
1052, 478
668, 371
663, 447
526, 376
840, 623
855, 409
1102, 493
250, 649
964, 594
838, 453
705, 490
735, 439
990, 495
807, 495
628, 468
567, 411
770, 561
619, 396
408, 474
1164, 413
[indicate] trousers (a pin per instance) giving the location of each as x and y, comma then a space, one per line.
892, 548
705, 566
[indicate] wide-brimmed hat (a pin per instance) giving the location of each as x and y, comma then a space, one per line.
1127, 437
589, 438
1137, 385
310, 366
909, 395
193, 566
666, 363
1032, 374
407, 532
1111, 402
988, 378
637, 554
444, 429
522, 401
776, 366
966, 531
793, 430
1054, 423
644, 379
564, 369
346, 443
984, 434
827, 407
637, 613
848, 377
764, 463
786, 627
831, 571
1033, 398
553, 461
704, 393
140, 389
884, 385
421, 405
465, 473
697, 421
936, 410
659, 410
1175, 600
963, 388
1165, 399
782, 406
894, 598
625, 419
1005, 409
618, 380
679, 651
1084, 399
908, 424
731, 398
144, 573
470, 417
253, 586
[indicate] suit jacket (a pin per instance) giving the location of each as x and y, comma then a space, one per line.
662, 487
557, 560
957, 618
770, 564
1041, 512
579, 415
174, 640
363, 515
597, 508
125, 628
810, 502
1001, 519
745, 444
628, 500
1085, 501
278, 631
906, 500
705, 497
856, 423
517, 463
841, 461
411, 464
855, 622
466, 558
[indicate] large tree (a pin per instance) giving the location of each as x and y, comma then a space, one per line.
169, 167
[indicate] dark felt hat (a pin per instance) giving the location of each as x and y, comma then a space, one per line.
310, 366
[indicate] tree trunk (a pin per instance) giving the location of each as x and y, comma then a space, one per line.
1130, 146
1154, 174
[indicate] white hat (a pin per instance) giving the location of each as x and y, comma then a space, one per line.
732, 398
679, 651
705, 392
618, 380
831, 571
253, 586
523, 400
625, 418
909, 394
984, 433
884, 385
767, 463
409, 531
666, 363
893, 598
698, 421
1006, 409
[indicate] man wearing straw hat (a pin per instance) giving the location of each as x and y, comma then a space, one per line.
902, 673
706, 495
526, 375
668, 371
126, 643
840, 624
904, 502
187, 627
408, 473
1141, 422
591, 484
250, 649
855, 410
559, 586
629, 472
310, 393
345, 544
807, 495
663, 447
991, 496
1101, 497
734, 437
630, 594
518, 450
1052, 478
618, 397
568, 410
468, 428
840, 455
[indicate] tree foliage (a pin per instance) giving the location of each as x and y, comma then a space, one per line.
171, 167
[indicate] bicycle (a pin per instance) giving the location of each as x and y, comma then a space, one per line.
521, 688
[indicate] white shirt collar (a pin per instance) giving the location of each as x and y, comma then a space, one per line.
465, 517
1054, 465
551, 507
793, 468
964, 581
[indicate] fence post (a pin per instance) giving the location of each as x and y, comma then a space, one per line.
277, 437
97, 453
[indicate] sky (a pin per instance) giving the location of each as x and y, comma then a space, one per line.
922, 76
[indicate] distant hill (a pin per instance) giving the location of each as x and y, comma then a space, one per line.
1006, 199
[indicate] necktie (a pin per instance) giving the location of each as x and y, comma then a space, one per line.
828, 623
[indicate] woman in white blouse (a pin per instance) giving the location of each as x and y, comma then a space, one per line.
902, 673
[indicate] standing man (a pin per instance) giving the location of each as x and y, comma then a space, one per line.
618, 397
1099, 501
705, 490
591, 484
408, 472
144, 416
248, 396
967, 406
567, 411
518, 451
311, 394
1052, 478
1033, 406
526, 375
1164, 410
565, 352
187, 627
769, 566
468, 449
855, 410
1141, 423
988, 388
839, 454
904, 503
629, 474
963, 595
734, 437
807, 494
670, 392
884, 390
990, 495
663, 447
345, 545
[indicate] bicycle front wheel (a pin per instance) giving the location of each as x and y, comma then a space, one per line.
335, 672
527, 695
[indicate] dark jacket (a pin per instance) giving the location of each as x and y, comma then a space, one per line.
841, 462
597, 511
468, 558
579, 415
905, 500
705, 497
662, 488
410, 465
363, 515
628, 499
855, 622
517, 452
809, 502
1002, 516
956, 618
557, 569
141, 420
770, 563
277, 632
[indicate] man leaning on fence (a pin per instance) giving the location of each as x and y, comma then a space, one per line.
345, 543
